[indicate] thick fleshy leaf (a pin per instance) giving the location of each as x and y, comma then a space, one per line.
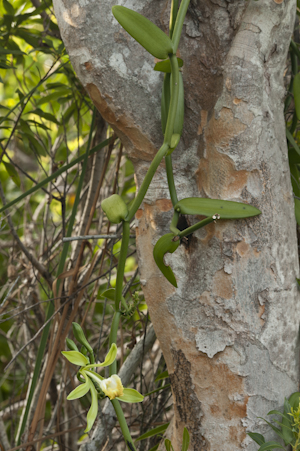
76, 357
165, 66
93, 411
165, 244
130, 395
109, 359
152, 38
79, 391
258, 438
209, 207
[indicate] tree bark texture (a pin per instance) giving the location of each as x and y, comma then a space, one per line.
229, 332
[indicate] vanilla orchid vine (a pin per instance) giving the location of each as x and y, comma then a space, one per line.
97, 385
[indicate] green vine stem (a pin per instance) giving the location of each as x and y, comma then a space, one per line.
121, 264
174, 99
147, 180
123, 424
179, 23
196, 226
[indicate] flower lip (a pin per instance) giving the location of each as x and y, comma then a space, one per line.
112, 387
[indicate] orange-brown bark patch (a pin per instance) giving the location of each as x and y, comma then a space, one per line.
203, 121
242, 248
139, 213
164, 204
139, 145
217, 175
222, 285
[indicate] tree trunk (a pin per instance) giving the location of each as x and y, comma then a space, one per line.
229, 332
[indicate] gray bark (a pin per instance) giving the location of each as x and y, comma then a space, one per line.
229, 332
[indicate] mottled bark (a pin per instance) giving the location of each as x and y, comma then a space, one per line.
229, 332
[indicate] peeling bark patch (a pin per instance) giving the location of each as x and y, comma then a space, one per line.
135, 141
164, 204
187, 404
222, 285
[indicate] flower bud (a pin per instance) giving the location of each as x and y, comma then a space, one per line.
115, 208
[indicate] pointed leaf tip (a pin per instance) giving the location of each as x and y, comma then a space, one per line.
145, 32
165, 244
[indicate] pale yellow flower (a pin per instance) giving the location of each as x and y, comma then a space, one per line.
112, 387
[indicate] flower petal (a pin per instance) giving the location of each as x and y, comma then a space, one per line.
93, 375
131, 395
93, 411
76, 357
79, 391
112, 387
109, 359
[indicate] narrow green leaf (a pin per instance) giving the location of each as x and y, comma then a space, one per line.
185, 440
168, 445
158, 430
130, 395
209, 207
93, 375
44, 115
165, 244
258, 438
161, 376
292, 141
12, 172
10, 52
165, 66
276, 412
152, 38
75, 357
270, 445
296, 92
71, 345
154, 447
275, 429
8, 7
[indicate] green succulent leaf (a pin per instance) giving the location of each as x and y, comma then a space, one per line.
93, 411
209, 207
152, 38
130, 395
165, 244
75, 357
165, 66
